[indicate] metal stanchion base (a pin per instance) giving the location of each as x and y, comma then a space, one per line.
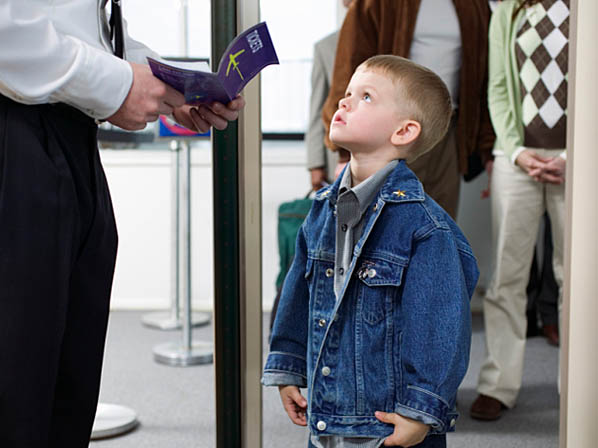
164, 320
113, 420
174, 354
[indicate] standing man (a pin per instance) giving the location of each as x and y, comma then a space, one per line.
321, 162
58, 77
448, 36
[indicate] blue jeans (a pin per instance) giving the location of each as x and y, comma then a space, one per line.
432, 441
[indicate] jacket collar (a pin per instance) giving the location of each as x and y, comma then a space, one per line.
401, 185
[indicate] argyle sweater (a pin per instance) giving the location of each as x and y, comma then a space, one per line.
542, 48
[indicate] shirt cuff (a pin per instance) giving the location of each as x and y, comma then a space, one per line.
419, 416
100, 85
516, 153
283, 379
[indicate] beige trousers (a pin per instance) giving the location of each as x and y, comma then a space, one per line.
518, 203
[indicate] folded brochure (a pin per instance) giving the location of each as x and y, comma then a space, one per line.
244, 58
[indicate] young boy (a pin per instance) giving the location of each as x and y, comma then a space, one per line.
374, 315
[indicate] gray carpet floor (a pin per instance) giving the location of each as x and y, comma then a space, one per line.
176, 406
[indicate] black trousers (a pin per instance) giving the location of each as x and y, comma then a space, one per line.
57, 252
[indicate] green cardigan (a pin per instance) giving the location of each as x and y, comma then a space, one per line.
504, 92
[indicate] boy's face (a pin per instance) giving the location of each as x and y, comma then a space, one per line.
368, 115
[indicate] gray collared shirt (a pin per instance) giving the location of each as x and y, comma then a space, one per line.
351, 206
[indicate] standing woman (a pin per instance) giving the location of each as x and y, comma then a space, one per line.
527, 99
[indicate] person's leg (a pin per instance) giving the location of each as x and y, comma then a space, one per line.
549, 289
517, 205
37, 223
555, 207
438, 171
532, 291
81, 350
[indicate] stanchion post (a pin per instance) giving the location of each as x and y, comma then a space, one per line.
171, 320
175, 210
186, 246
188, 352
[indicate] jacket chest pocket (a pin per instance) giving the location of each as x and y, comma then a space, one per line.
319, 275
378, 282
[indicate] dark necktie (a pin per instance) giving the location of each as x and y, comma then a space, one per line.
116, 29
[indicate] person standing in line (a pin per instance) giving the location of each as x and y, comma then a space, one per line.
527, 97
58, 76
449, 37
321, 162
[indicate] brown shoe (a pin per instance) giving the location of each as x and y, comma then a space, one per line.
486, 408
551, 333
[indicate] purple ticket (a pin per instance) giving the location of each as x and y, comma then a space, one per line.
244, 58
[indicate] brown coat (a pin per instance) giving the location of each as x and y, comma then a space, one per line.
386, 27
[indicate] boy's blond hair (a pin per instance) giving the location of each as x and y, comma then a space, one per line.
424, 96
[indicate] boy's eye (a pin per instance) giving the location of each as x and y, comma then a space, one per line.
367, 98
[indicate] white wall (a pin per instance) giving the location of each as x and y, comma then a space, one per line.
140, 184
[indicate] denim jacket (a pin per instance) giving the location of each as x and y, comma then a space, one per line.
398, 337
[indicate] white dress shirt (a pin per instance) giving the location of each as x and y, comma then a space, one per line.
58, 51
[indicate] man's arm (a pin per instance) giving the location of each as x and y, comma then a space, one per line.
39, 65
200, 118
357, 41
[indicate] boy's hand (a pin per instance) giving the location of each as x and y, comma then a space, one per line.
294, 403
407, 432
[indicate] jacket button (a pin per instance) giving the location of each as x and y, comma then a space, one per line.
326, 371
341, 271
322, 322
321, 425
344, 227
371, 273
329, 272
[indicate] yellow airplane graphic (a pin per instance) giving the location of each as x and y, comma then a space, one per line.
233, 62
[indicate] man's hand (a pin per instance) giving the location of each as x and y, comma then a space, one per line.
202, 118
147, 99
407, 432
318, 178
488, 166
294, 403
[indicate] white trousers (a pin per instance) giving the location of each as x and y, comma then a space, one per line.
518, 203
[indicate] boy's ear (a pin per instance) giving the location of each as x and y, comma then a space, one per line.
406, 133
